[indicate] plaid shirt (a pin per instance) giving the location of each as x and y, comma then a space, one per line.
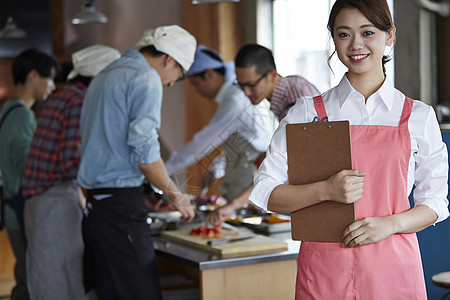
53, 157
286, 93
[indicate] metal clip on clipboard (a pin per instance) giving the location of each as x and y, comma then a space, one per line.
316, 119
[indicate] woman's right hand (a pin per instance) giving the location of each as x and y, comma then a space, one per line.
346, 186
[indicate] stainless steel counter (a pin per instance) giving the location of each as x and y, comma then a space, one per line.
204, 260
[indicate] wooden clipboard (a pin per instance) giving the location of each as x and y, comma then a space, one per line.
316, 151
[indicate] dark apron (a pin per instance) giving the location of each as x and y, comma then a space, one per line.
17, 202
119, 257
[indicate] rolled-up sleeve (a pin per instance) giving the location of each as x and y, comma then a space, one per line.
145, 95
273, 170
431, 171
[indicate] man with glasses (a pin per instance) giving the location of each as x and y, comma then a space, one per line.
258, 78
240, 127
119, 147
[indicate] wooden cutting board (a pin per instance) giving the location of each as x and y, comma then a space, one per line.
257, 244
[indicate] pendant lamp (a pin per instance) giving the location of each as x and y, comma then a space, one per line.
211, 1
441, 7
89, 14
11, 30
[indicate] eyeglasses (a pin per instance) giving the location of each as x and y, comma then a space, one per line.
251, 85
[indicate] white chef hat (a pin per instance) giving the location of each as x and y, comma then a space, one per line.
171, 40
91, 60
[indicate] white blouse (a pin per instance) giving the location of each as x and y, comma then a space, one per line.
428, 165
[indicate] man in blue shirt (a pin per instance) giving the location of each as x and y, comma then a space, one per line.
119, 148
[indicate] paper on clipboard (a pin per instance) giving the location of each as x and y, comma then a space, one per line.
316, 151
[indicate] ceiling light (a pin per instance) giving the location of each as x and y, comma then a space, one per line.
211, 1
441, 7
89, 14
11, 30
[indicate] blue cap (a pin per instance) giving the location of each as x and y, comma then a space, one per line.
203, 62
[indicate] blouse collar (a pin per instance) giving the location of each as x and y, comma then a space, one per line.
385, 93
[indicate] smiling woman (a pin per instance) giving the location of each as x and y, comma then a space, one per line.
301, 42
379, 256
360, 44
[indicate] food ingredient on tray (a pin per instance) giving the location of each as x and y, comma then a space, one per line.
236, 219
274, 219
269, 219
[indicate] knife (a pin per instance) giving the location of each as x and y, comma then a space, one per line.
223, 241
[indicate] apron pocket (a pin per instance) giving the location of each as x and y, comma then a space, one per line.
325, 271
138, 235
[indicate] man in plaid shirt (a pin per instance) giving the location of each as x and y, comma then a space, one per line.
53, 213
33, 73
258, 78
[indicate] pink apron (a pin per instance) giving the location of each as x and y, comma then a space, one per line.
391, 268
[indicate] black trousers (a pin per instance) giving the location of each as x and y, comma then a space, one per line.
17, 203
119, 256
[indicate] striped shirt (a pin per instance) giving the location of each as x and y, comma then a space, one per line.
53, 157
286, 93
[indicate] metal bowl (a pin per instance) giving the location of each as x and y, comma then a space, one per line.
156, 225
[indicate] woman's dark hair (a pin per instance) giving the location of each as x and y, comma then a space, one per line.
33, 59
254, 55
376, 11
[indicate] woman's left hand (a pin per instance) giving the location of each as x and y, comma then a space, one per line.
368, 230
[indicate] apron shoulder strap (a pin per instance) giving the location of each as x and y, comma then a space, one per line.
7, 112
320, 107
406, 112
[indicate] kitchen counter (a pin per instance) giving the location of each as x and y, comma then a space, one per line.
204, 260
257, 276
